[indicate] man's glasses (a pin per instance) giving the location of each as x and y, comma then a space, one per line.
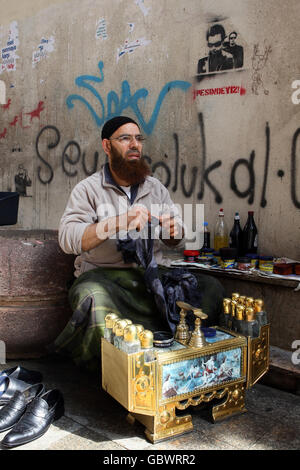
128, 139
214, 44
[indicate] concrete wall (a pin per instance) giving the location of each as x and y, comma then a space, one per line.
237, 149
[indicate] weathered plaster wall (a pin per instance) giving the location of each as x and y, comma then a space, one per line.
74, 63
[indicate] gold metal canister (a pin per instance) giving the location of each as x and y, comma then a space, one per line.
114, 324
235, 296
119, 327
233, 307
249, 314
130, 333
240, 312
258, 305
109, 320
249, 301
227, 306
146, 338
139, 329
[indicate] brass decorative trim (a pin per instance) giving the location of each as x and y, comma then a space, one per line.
258, 356
238, 342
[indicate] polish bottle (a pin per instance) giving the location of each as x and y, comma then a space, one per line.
260, 313
221, 232
206, 236
224, 320
119, 331
236, 235
232, 314
130, 343
251, 324
110, 319
250, 235
238, 321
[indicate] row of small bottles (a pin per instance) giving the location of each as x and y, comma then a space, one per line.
245, 241
244, 315
126, 336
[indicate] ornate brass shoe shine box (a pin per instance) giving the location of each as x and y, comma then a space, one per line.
181, 376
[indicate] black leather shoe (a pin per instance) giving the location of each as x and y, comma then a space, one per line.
15, 408
36, 420
20, 373
11, 386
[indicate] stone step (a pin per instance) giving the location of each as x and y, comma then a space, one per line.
284, 372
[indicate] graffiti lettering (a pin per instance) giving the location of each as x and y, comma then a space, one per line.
225, 90
166, 168
174, 176
263, 201
95, 165
65, 159
115, 105
205, 171
293, 169
50, 146
250, 190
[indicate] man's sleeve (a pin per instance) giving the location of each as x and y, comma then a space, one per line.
78, 215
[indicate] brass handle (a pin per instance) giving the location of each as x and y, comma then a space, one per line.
199, 313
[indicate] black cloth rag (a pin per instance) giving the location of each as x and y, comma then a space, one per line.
176, 284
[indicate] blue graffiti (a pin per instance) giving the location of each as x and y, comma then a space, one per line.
116, 105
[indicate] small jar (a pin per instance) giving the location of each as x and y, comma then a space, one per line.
190, 256
217, 257
253, 260
205, 260
207, 253
228, 263
266, 264
283, 268
243, 264
297, 268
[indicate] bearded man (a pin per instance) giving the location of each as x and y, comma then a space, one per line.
121, 198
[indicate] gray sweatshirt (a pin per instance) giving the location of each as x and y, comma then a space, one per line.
98, 197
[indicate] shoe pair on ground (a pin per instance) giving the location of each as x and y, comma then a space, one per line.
28, 409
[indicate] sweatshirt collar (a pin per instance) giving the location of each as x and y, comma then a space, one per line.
110, 180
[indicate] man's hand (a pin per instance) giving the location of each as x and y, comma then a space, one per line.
135, 219
95, 234
172, 233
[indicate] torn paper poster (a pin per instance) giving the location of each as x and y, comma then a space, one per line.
45, 47
2, 93
142, 6
101, 32
131, 46
9, 51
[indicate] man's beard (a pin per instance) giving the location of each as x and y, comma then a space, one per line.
131, 171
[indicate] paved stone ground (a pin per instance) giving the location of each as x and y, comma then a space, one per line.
95, 421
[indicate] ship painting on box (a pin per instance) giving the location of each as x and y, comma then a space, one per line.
186, 376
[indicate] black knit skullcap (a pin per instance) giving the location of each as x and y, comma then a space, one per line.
113, 124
